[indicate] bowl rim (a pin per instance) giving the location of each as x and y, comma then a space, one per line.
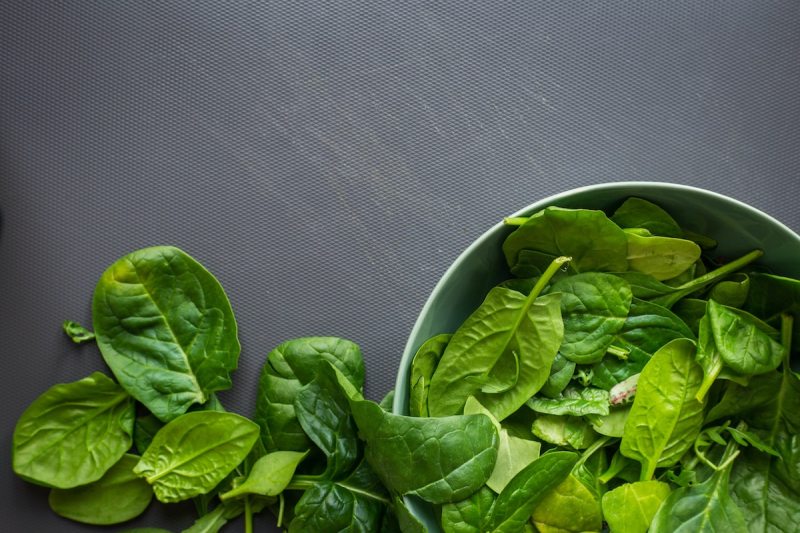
404, 367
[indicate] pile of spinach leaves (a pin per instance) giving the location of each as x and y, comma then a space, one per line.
316, 454
659, 376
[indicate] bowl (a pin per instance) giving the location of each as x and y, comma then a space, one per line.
738, 227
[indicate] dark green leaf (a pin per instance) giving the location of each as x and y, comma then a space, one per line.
194, 452
422, 368
588, 237
288, 368
452, 456
73, 433
116, 497
690, 311
387, 401
640, 213
574, 401
745, 344
560, 375
466, 516
514, 506
144, 429
165, 328
570, 431
732, 291
269, 476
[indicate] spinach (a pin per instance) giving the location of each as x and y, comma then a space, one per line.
567, 507
422, 368
574, 402
288, 368
593, 241
663, 258
770, 296
560, 375
194, 452
144, 429
116, 497
632, 506
510, 338
572, 431
704, 507
593, 307
732, 291
165, 328
77, 333
640, 213
452, 456
73, 433
665, 416
269, 476
514, 506
467, 516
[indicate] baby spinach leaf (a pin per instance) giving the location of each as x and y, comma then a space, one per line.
466, 516
745, 344
194, 452
144, 429
422, 368
77, 333
640, 213
116, 497
514, 506
289, 366
323, 410
732, 291
589, 237
612, 424
568, 507
665, 416
398, 518
513, 454
647, 328
571, 431
574, 401
269, 476
690, 311
452, 456
212, 522
560, 375
771, 295
165, 328
73, 433
508, 333
631, 507
521, 285
594, 307
661, 257
387, 401
530, 265
644, 286
705, 507
356, 503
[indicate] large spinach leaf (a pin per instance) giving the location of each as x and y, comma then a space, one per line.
73, 433
665, 416
510, 339
467, 516
630, 508
452, 456
515, 505
588, 236
116, 497
663, 258
639, 213
194, 452
594, 307
165, 328
289, 366
422, 368
568, 507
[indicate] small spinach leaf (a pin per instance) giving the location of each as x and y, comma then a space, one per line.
77, 333
73, 433
422, 368
571, 431
568, 507
466, 516
631, 507
116, 497
269, 476
574, 401
663, 258
194, 452
640, 213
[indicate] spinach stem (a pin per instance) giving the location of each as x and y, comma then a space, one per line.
281, 505
596, 445
709, 376
787, 323
515, 221
618, 352
248, 515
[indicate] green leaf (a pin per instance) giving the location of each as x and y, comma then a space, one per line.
452, 456
165, 328
691, 311
116, 497
570, 431
212, 522
701, 508
732, 291
594, 307
631, 507
568, 507
575, 402
665, 417
144, 429
587, 236
513, 454
73, 433
560, 375
77, 333
514, 506
466, 516
194, 452
745, 344
387, 401
422, 368
508, 335
640, 213
612, 424
771, 295
661, 257
269, 476
289, 367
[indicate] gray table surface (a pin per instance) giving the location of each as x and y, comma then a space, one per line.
327, 161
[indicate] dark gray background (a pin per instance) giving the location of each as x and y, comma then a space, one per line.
328, 160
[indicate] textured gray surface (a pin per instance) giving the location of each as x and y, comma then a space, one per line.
329, 160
